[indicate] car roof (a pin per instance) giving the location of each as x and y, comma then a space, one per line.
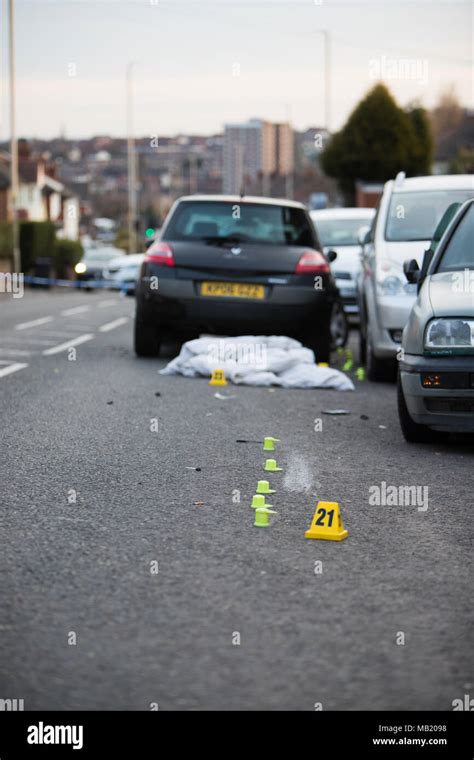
92, 253
434, 182
342, 213
242, 199
127, 258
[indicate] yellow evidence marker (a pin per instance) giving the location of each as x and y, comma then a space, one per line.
327, 522
218, 377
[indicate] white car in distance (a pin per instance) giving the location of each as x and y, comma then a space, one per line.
340, 230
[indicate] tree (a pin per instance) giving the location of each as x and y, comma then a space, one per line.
421, 156
447, 115
378, 140
463, 161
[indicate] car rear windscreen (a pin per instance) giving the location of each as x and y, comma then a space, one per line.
240, 222
340, 232
415, 215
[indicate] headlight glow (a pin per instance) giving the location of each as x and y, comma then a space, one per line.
80, 268
450, 335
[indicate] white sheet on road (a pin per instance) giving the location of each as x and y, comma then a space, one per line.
256, 360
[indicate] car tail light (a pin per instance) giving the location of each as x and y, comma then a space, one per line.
160, 253
312, 262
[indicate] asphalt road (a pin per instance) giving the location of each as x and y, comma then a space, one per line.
170, 638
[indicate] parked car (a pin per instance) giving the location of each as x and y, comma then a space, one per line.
92, 265
122, 273
236, 265
340, 230
436, 369
406, 218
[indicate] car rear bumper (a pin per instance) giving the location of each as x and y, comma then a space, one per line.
449, 407
178, 305
91, 275
348, 295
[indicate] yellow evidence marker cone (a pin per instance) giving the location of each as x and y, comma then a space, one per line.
327, 522
218, 377
263, 486
262, 517
269, 443
271, 466
259, 501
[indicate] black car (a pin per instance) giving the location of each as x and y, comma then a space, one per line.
236, 265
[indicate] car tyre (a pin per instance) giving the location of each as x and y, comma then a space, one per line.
378, 370
412, 431
362, 341
320, 344
146, 338
339, 326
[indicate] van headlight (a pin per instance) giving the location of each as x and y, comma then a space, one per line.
450, 335
390, 285
80, 268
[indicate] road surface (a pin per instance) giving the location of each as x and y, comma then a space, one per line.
131, 579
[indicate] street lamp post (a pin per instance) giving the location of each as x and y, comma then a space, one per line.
13, 144
327, 77
131, 165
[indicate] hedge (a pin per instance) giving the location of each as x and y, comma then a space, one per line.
66, 254
38, 240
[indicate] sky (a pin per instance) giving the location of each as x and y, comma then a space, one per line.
199, 64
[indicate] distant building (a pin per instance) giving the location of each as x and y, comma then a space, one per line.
368, 194
254, 151
41, 197
244, 155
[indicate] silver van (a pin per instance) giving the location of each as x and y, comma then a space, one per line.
406, 218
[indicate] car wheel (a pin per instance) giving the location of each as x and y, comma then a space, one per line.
146, 337
362, 347
339, 326
320, 344
362, 340
378, 370
412, 431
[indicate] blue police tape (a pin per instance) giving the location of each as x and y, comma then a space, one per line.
123, 287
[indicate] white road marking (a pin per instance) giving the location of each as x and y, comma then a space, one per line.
109, 302
60, 334
67, 344
15, 352
12, 368
33, 323
113, 325
34, 341
74, 310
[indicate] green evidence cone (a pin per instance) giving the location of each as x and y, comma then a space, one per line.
262, 519
263, 486
349, 363
269, 443
259, 501
271, 466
